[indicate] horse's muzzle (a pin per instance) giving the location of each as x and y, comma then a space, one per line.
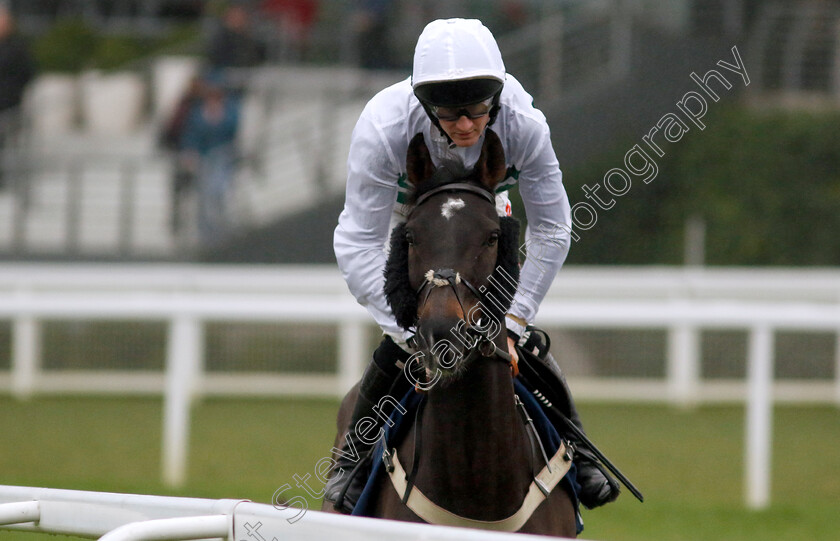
440, 339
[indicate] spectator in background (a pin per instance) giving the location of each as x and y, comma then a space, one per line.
16, 65
292, 24
208, 153
233, 44
171, 138
16, 70
511, 15
371, 23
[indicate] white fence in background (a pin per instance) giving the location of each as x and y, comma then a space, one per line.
134, 517
682, 301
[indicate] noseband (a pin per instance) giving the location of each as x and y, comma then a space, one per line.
482, 342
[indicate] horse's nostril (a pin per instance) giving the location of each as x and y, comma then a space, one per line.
434, 333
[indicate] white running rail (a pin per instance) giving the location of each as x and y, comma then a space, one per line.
682, 301
135, 517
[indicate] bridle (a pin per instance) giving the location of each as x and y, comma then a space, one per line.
482, 342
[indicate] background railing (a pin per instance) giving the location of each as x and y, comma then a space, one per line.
90, 205
794, 51
195, 307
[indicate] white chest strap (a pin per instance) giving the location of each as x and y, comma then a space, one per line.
540, 488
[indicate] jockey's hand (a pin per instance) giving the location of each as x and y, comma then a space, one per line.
512, 350
511, 340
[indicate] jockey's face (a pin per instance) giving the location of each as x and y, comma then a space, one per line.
465, 131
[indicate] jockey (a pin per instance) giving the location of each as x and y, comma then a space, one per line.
458, 88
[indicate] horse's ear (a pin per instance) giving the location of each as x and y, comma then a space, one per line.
491, 164
418, 163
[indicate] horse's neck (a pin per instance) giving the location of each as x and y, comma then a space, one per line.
473, 435
479, 407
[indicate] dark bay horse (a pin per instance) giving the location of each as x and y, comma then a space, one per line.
449, 276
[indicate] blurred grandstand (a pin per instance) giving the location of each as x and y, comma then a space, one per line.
89, 184
89, 181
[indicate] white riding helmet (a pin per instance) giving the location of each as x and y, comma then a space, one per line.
457, 62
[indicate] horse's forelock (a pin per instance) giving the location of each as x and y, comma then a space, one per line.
445, 174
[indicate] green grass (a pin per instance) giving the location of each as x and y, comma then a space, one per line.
689, 464
690, 467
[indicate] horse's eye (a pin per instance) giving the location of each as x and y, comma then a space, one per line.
494, 238
409, 238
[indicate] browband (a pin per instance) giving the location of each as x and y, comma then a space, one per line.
457, 187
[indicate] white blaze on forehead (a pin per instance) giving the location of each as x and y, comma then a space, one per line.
451, 205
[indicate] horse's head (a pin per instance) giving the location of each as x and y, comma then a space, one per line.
453, 267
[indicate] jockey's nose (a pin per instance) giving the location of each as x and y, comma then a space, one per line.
464, 122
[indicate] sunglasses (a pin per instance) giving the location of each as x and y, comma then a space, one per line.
474, 110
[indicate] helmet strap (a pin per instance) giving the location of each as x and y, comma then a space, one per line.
494, 110
435, 121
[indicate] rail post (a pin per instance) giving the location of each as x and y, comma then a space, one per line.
26, 355
683, 365
759, 426
837, 370
352, 349
183, 360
